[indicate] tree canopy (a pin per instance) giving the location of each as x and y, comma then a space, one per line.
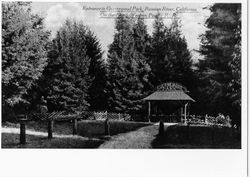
66, 79
169, 58
98, 73
220, 68
24, 51
128, 69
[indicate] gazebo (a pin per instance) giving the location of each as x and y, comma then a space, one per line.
168, 99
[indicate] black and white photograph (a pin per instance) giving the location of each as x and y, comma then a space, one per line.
158, 76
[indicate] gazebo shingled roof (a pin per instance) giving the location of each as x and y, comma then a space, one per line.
176, 95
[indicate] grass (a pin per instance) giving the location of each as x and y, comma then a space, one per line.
60, 127
95, 128
177, 137
124, 135
91, 134
197, 136
36, 136
11, 140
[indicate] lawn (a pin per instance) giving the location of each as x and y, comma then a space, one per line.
90, 134
60, 127
177, 136
37, 136
124, 135
11, 140
199, 136
96, 128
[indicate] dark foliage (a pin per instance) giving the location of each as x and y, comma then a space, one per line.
98, 73
128, 69
66, 80
170, 59
220, 71
24, 54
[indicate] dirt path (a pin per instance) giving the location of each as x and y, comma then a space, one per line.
141, 138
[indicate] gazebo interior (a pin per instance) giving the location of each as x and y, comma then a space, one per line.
168, 111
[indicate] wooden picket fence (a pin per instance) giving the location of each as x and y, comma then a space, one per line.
209, 120
88, 115
45, 116
111, 116
50, 118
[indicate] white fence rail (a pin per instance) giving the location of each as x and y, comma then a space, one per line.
210, 120
112, 116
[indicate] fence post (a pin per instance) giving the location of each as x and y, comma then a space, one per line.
74, 126
106, 126
22, 129
106, 114
161, 128
50, 128
206, 116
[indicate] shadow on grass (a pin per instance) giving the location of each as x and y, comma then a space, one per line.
96, 128
11, 140
91, 134
60, 127
197, 137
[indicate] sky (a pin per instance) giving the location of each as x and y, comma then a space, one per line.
94, 15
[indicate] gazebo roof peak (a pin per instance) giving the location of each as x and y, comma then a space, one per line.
171, 91
172, 95
171, 86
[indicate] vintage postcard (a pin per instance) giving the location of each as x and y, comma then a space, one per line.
160, 76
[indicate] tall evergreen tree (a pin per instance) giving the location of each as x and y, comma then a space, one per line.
66, 78
235, 65
170, 58
142, 45
128, 70
220, 69
24, 51
158, 52
98, 73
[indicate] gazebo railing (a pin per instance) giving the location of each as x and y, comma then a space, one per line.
165, 118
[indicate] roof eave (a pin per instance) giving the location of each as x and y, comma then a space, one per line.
168, 100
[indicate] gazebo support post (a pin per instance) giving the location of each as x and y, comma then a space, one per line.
185, 113
181, 114
149, 110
